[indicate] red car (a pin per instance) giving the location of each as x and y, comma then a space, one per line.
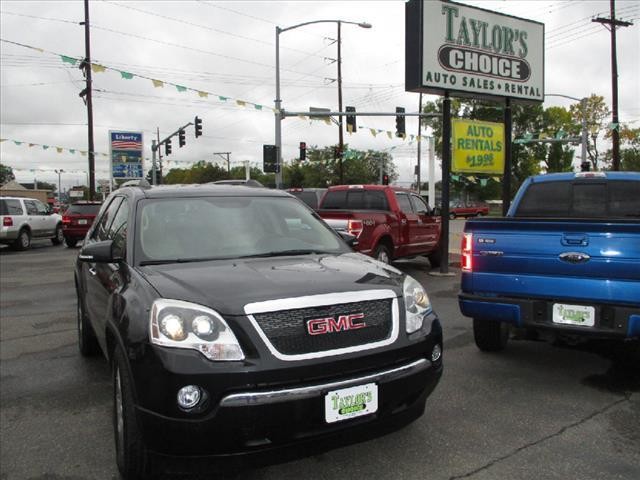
77, 219
467, 210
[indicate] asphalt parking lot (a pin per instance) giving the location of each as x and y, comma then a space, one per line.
534, 411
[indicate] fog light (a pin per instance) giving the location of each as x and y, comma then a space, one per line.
436, 353
189, 396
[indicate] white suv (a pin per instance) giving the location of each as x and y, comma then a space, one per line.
22, 219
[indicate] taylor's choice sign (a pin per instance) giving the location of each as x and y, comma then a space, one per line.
472, 52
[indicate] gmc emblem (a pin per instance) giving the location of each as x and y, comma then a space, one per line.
320, 326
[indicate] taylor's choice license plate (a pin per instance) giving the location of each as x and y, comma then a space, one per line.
82, 221
574, 314
350, 402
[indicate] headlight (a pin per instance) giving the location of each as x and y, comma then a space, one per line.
179, 324
416, 302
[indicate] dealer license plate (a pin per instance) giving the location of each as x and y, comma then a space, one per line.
574, 314
350, 402
82, 221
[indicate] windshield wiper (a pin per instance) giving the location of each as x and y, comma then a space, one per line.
176, 260
283, 253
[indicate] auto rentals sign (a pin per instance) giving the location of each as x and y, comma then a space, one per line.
473, 52
478, 147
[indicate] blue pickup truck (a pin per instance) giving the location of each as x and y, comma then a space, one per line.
564, 262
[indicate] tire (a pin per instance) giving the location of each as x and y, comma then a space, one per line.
59, 236
87, 341
435, 258
490, 336
70, 242
382, 254
131, 454
23, 242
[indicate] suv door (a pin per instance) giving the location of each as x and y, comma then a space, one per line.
47, 220
33, 218
409, 225
94, 275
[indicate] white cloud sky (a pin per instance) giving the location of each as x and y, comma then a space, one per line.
228, 48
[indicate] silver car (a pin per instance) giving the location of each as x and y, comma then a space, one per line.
22, 219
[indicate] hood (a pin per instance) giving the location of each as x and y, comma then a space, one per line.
228, 285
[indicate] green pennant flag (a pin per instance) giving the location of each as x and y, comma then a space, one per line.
126, 75
222, 99
257, 107
44, 147
455, 178
483, 182
70, 60
72, 150
17, 142
614, 126
560, 134
528, 136
180, 88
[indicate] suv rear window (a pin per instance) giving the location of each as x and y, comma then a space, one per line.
83, 209
355, 200
10, 207
610, 199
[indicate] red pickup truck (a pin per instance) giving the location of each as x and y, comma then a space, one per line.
389, 222
467, 210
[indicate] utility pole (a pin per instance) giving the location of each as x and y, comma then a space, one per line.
340, 133
226, 158
86, 64
612, 24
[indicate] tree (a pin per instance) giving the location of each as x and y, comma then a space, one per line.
629, 149
596, 113
559, 157
6, 174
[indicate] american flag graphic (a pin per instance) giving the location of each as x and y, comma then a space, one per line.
126, 144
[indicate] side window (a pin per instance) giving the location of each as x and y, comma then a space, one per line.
102, 228
31, 207
419, 205
10, 207
404, 203
41, 207
118, 230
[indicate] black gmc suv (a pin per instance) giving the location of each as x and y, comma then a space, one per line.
238, 324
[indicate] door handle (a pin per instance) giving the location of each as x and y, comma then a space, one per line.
92, 271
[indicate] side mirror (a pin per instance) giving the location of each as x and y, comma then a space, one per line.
99, 252
436, 212
351, 240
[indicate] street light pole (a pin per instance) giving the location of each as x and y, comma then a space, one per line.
59, 172
278, 100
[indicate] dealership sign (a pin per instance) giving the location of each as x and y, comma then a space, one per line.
478, 147
125, 150
473, 52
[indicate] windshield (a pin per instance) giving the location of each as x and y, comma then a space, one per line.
209, 228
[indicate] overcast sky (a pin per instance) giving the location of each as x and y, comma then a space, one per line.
227, 49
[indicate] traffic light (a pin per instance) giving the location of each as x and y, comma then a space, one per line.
385, 179
303, 151
167, 147
400, 130
351, 120
181, 139
198, 126
270, 159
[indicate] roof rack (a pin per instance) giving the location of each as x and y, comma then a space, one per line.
142, 183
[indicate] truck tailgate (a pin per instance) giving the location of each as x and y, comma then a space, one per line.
595, 260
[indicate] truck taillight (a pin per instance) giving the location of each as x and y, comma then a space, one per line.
354, 227
66, 220
7, 222
467, 252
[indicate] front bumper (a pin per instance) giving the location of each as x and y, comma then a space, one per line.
258, 410
611, 320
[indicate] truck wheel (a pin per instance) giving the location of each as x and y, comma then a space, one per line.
435, 258
70, 242
382, 254
87, 342
59, 236
23, 242
131, 454
490, 336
